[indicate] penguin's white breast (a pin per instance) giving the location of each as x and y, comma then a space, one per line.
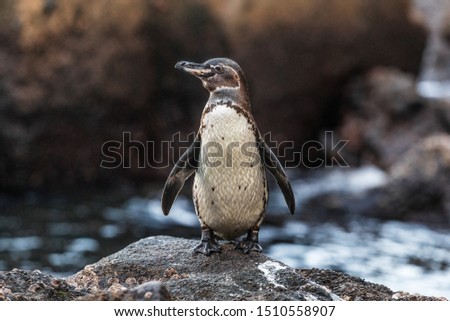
230, 184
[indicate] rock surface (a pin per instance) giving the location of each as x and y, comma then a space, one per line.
388, 124
35, 285
385, 117
164, 268
419, 188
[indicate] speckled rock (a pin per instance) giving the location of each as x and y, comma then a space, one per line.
230, 275
149, 291
165, 268
351, 288
348, 287
20, 285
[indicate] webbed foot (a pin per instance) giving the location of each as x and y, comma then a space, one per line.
208, 244
246, 246
250, 243
207, 248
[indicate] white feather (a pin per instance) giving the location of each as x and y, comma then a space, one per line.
230, 194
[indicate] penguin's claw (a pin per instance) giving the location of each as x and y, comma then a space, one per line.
207, 247
246, 246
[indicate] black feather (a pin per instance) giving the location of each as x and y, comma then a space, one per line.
183, 169
274, 167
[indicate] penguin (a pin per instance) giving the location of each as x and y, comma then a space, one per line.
229, 158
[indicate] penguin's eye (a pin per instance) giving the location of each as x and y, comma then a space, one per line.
218, 69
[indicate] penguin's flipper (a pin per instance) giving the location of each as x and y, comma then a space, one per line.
273, 165
185, 167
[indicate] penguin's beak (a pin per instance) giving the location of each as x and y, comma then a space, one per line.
195, 69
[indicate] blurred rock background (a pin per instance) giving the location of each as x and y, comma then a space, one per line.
75, 74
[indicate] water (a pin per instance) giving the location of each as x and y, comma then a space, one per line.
60, 235
434, 89
434, 78
402, 256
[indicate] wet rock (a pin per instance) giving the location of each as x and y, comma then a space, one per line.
433, 80
149, 291
404, 296
419, 188
20, 285
385, 117
165, 268
187, 276
416, 187
350, 288
387, 123
347, 287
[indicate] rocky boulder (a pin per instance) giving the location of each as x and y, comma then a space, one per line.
34, 285
419, 185
388, 124
385, 117
164, 268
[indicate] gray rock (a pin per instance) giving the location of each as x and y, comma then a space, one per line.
187, 276
350, 288
149, 291
35, 286
385, 117
390, 125
419, 188
165, 268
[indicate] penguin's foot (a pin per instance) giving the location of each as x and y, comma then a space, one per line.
208, 245
250, 243
246, 246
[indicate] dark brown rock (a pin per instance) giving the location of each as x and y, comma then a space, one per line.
75, 74
385, 117
416, 186
20, 285
299, 54
388, 124
419, 188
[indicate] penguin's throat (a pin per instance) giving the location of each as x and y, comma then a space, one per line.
235, 95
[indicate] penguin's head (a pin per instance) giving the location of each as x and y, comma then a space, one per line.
216, 74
